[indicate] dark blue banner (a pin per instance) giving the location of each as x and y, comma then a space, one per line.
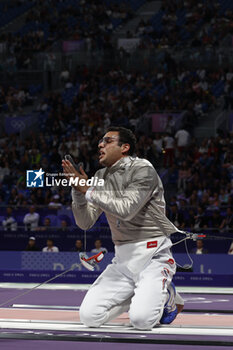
202, 264
207, 270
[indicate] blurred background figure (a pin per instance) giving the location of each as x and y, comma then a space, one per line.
50, 247
31, 219
169, 148
98, 247
31, 246
216, 220
227, 222
176, 216
64, 226
170, 124
78, 246
55, 203
199, 248
9, 223
199, 221
46, 226
182, 138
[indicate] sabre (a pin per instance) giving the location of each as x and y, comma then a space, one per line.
37, 286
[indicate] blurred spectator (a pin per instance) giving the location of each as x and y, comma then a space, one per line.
64, 226
158, 142
65, 75
230, 251
227, 222
172, 176
175, 216
46, 226
4, 170
31, 219
39, 196
200, 220
98, 247
14, 196
189, 221
203, 147
223, 196
78, 246
170, 125
169, 148
200, 248
216, 220
9, 223
55, 204
31, 246
182, 138
50, 247
183, 174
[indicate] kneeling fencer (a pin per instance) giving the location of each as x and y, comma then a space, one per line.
139, 280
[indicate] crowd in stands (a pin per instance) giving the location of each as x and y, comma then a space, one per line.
51, 248
90, 22
14, 99
198, 179
178, 23
202, 176
80, 114
188, 24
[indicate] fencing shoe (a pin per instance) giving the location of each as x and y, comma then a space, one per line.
170, 309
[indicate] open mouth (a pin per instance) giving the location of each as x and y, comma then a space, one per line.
101, 154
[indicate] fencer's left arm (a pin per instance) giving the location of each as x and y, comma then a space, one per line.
125, 204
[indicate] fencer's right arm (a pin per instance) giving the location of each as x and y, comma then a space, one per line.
85, 213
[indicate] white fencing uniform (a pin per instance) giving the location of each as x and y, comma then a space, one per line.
136, 281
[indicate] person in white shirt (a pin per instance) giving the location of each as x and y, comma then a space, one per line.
158, 142
229, 75
169, 147
31, 219
65, 74
199, 248
55, 202
182, 139
170, 125
98, 247
50, 248
9, 223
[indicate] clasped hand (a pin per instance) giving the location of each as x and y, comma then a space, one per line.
71, 173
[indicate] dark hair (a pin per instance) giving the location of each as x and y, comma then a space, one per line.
125, 136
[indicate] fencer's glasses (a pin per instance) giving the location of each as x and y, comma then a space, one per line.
108, 139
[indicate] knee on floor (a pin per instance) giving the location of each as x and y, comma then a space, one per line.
90, 317
144, 321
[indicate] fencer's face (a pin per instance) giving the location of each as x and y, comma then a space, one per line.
109, 149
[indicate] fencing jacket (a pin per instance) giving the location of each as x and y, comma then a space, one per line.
133, 201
